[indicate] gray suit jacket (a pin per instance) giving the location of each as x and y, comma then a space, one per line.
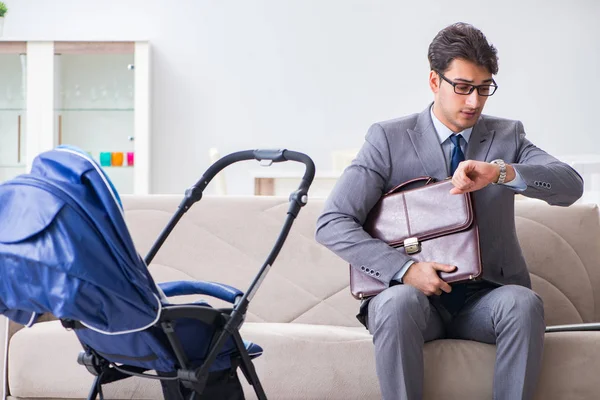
405, 148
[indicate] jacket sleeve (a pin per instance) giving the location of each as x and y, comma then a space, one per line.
546, 177
339, 227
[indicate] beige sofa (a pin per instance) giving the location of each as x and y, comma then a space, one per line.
304, 316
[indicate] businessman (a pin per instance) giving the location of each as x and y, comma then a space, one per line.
488, 156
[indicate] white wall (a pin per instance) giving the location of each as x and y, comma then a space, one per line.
312, 75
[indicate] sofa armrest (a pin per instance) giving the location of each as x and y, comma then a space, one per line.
570, 367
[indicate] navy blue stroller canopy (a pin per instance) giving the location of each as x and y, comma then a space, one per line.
65, 249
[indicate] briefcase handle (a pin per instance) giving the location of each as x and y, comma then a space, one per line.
426, 179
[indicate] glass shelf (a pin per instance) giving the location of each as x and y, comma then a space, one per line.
12, 109
93, 109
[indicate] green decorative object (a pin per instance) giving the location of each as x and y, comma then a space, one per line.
3, 11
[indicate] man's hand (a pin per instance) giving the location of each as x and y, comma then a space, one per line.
473, 175
424, 276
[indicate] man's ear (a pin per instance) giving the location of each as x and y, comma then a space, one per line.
434, 81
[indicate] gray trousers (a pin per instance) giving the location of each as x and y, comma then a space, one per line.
401, 319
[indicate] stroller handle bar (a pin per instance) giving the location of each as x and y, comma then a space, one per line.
194, 193
298, 198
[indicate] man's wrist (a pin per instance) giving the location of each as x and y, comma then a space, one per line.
400, 274
510, 173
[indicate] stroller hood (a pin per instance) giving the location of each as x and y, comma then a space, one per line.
65, 249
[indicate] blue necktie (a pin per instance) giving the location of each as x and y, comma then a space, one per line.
457, 154
454, 300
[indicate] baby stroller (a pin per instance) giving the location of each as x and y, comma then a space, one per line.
65, 250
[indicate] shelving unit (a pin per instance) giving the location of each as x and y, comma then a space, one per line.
93, 95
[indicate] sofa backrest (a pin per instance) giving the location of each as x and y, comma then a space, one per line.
562, 249
226, 239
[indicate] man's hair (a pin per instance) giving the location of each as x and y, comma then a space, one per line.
464, 41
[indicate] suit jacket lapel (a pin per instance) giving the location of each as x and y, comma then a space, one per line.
480, 142
427, 145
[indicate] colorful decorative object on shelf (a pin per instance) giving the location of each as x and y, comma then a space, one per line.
117, 159
105, 159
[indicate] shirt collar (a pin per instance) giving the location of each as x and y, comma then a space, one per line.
444, 132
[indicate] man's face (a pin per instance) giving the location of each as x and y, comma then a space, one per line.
459, 112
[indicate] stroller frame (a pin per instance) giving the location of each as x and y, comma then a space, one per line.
226, 321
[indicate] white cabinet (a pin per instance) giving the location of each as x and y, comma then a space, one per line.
12, 109
93, 95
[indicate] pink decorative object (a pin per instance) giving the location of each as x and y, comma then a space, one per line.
130, 158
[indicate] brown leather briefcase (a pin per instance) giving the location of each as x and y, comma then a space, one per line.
427, 223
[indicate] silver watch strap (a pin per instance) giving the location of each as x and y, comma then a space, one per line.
502, 176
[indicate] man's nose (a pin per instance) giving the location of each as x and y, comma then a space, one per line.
473, 99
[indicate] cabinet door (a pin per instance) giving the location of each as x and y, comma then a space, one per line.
13, 91
94, 96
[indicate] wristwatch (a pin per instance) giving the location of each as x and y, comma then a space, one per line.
502, 176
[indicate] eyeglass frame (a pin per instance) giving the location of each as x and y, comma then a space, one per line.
473, 87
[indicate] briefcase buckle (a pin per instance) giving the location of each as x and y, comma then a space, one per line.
412, 245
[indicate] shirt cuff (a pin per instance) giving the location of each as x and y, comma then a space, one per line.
400, 274
518, 183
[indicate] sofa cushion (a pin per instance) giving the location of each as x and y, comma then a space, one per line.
316, 362
42, 362
313, 362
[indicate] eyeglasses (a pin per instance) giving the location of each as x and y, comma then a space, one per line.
466, 88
